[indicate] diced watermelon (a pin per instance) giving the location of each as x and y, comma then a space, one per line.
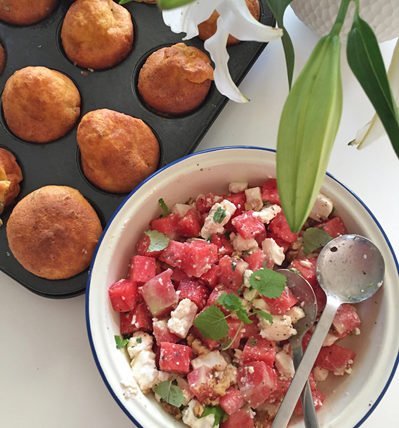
318, 399
280, 305
241, 419
143, 245
259, 349
123, 295
238, 199
204, 203
248, 226
256, 259
231, 272
189, 226
142, 268
280, 228
235, 333
215, 294
279, 392
175, 358
256, 381
178, 275
166, 225
173, 254
211, 278
209, 343
261, 237
346, 320
162, 333
335, 358
199, 381
224, 245
270, 192
251, 330
283, 244
194, 290
159, 293
334, 227
137, 320
199, 256
231, 401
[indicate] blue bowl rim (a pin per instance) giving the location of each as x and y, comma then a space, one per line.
215, 149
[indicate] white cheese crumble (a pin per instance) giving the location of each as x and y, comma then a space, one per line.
240, 244
320, 374
238, 186
296, 313
181, 209
273, 251
247, 276
211, 227
144, 370
285, 364
280, 329
253, 199
190, 419
322, 208
140, 341
182, 318
212, 360
267, 214
129, 388
330, 339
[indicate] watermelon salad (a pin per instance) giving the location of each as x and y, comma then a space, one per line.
205, 318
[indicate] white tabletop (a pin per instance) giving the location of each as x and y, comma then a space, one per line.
48, 377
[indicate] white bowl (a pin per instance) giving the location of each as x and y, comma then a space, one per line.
351, 398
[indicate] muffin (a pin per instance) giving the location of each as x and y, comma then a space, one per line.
97, 34
208, 28
175, 80
53, 231
117, 151
3, 58
10, 177
40, 105
25, 12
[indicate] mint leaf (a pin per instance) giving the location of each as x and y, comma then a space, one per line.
158, 241
170, 393
268, 282
234, 304
265, 315
121, 342
212, 323
219, 215
217, 412
314, 238
165, 209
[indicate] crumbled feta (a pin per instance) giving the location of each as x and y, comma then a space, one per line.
181, 209
241, 244
247, 275
238, 186
211, 227
212, 360
129, 388
261, 304
320, 374
330, 339
296, 313
140, 341
182, 318
190, 419
144, 370
285, 364
267, 214
322, 208
280, 329
273, 251
253, 199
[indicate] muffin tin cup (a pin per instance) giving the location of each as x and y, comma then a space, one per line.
57, 162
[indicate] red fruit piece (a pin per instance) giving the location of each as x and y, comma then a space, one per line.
178, 275
193, 290
142, 268
346, 320
139, 319
279, 392
166, 225
335, 358
231, 272
162, 333
270, 192
199, 256
223, 244
189, 226
241, 419
235, 333
256, 259
200, 383
143, 245
173, 254
231, 401
334, 227
204, 203
251, 330
123, 295
209, 343
211, 278
259, 349
280, 305
238, 199
175, 358
248, 226
279, 227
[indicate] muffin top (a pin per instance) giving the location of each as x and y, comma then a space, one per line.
25, 12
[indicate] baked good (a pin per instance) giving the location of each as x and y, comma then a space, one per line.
3, 58
53, 231
175, 80
40, 105
117, 151
208, 28
25, 12
97, 34
10, 177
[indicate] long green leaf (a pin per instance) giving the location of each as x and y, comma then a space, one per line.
365, 60
278, 8
171, 4
307, 130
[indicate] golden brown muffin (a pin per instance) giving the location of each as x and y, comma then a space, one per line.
175, 80
10, 177
117, 151
40, 105
208, 28
25, 12
97, 34
53, 231
3, 57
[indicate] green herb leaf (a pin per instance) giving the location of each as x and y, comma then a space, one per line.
220, 215
217, 412
365, 60
268, 282
170, 393
265, 315
165, 209
278, 8
120, 342
212, 323
122, 2
234, 304
314, 238
171, 4
158, 241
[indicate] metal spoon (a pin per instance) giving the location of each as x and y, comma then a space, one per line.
350, 269
304, 293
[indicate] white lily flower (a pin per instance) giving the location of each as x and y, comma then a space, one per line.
234, 19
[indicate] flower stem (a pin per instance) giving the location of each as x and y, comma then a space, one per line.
340, 19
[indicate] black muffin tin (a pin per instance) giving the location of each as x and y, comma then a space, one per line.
58, 162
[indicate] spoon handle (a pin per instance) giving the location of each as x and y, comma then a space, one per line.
305, 367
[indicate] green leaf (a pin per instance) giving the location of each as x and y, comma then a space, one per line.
120, 342
217, 412
158, 241
165, 209
234, 304
265, 315
314, 238
170, 393
122, 2
171, 4
268, 282
212, 323
278, 8
219, 215
365, 60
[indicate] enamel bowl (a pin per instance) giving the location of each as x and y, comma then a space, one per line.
351, 399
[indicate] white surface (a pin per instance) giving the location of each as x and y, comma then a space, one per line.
47, 374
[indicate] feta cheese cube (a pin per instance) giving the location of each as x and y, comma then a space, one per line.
322, 208
254, 199
267, 214
320, 374
273, 251
190, 418
247, 275
144, 370
211, 227
296, 313
280, 329
238, 186
140, 341
285, 365
240, 244
182, 318
212, 360
330, 339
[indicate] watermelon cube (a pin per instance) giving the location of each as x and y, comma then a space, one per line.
224, 245
270, 192
280, 305
199, 256
162, 333
211, 278
280, 228
231, 272
194, 290
200, 381
259, 349
334, 227
231, 401
238, 199
256, 260
204, 203
166, 225
235, 333
335, 358
123, 295
346, 320
241, 419
173, 254
142, 268
139, 319
174, 358
142, 247
189, 226
248, 226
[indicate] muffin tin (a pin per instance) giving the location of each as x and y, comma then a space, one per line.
58, 162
